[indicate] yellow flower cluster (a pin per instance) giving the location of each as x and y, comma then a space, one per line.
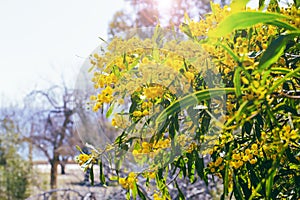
274, 141
147, 105
202, 27
175, 61
294, 15
151, 148
82, 158
120, 121
249, 155
183, 140
134, 66
142, 110
189, 75
238, 158
122, 62
129, 181
153, 92
157, 197
102, 80
119, 46
287, 133
225, 138
218, 165
104, 97
150, 175
105, 82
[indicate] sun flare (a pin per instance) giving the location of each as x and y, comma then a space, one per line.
164, 5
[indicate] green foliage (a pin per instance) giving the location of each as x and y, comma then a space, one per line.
247, 123
14, 179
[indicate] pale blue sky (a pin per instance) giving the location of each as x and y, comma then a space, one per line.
42, 39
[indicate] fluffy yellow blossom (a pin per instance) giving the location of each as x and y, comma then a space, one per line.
128, 182
253, 161
82, 158
157, 197
153, 92
113, 122
190, 76
236, 156
218, 161
137, 113
254, 146
145, 112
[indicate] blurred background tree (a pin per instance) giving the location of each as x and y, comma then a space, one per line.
148, 13
14, 170
52, 129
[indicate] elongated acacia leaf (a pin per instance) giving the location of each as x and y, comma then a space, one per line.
282, 80
275, 50
242, 20
134, 190
281, 70
101, 174
282, 24
110, 110
141, 194
180, 194
238, 5
237, 81
92, 175
190, 100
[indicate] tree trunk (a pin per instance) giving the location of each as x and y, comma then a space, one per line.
63, 166
63, 163
53, 174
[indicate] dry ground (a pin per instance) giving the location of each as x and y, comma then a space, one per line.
73, 179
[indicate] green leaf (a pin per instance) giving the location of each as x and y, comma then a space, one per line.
285, 108
238, 5
191, 166
247, 128
297, 3
110, 110
275, 50
282, 24
186, 30
280, 70
128, 195
191, 99
282, 80
237, 116
200, 167
103, 40
101, 174
229, 50
272, 53
91, 68
242, 20
141, 194
116, 71
92, 175
180, 194
183, 167
134, 190
226, 178
237, 188
173, 127
237, 81
261, 4
269, 182
79, 149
